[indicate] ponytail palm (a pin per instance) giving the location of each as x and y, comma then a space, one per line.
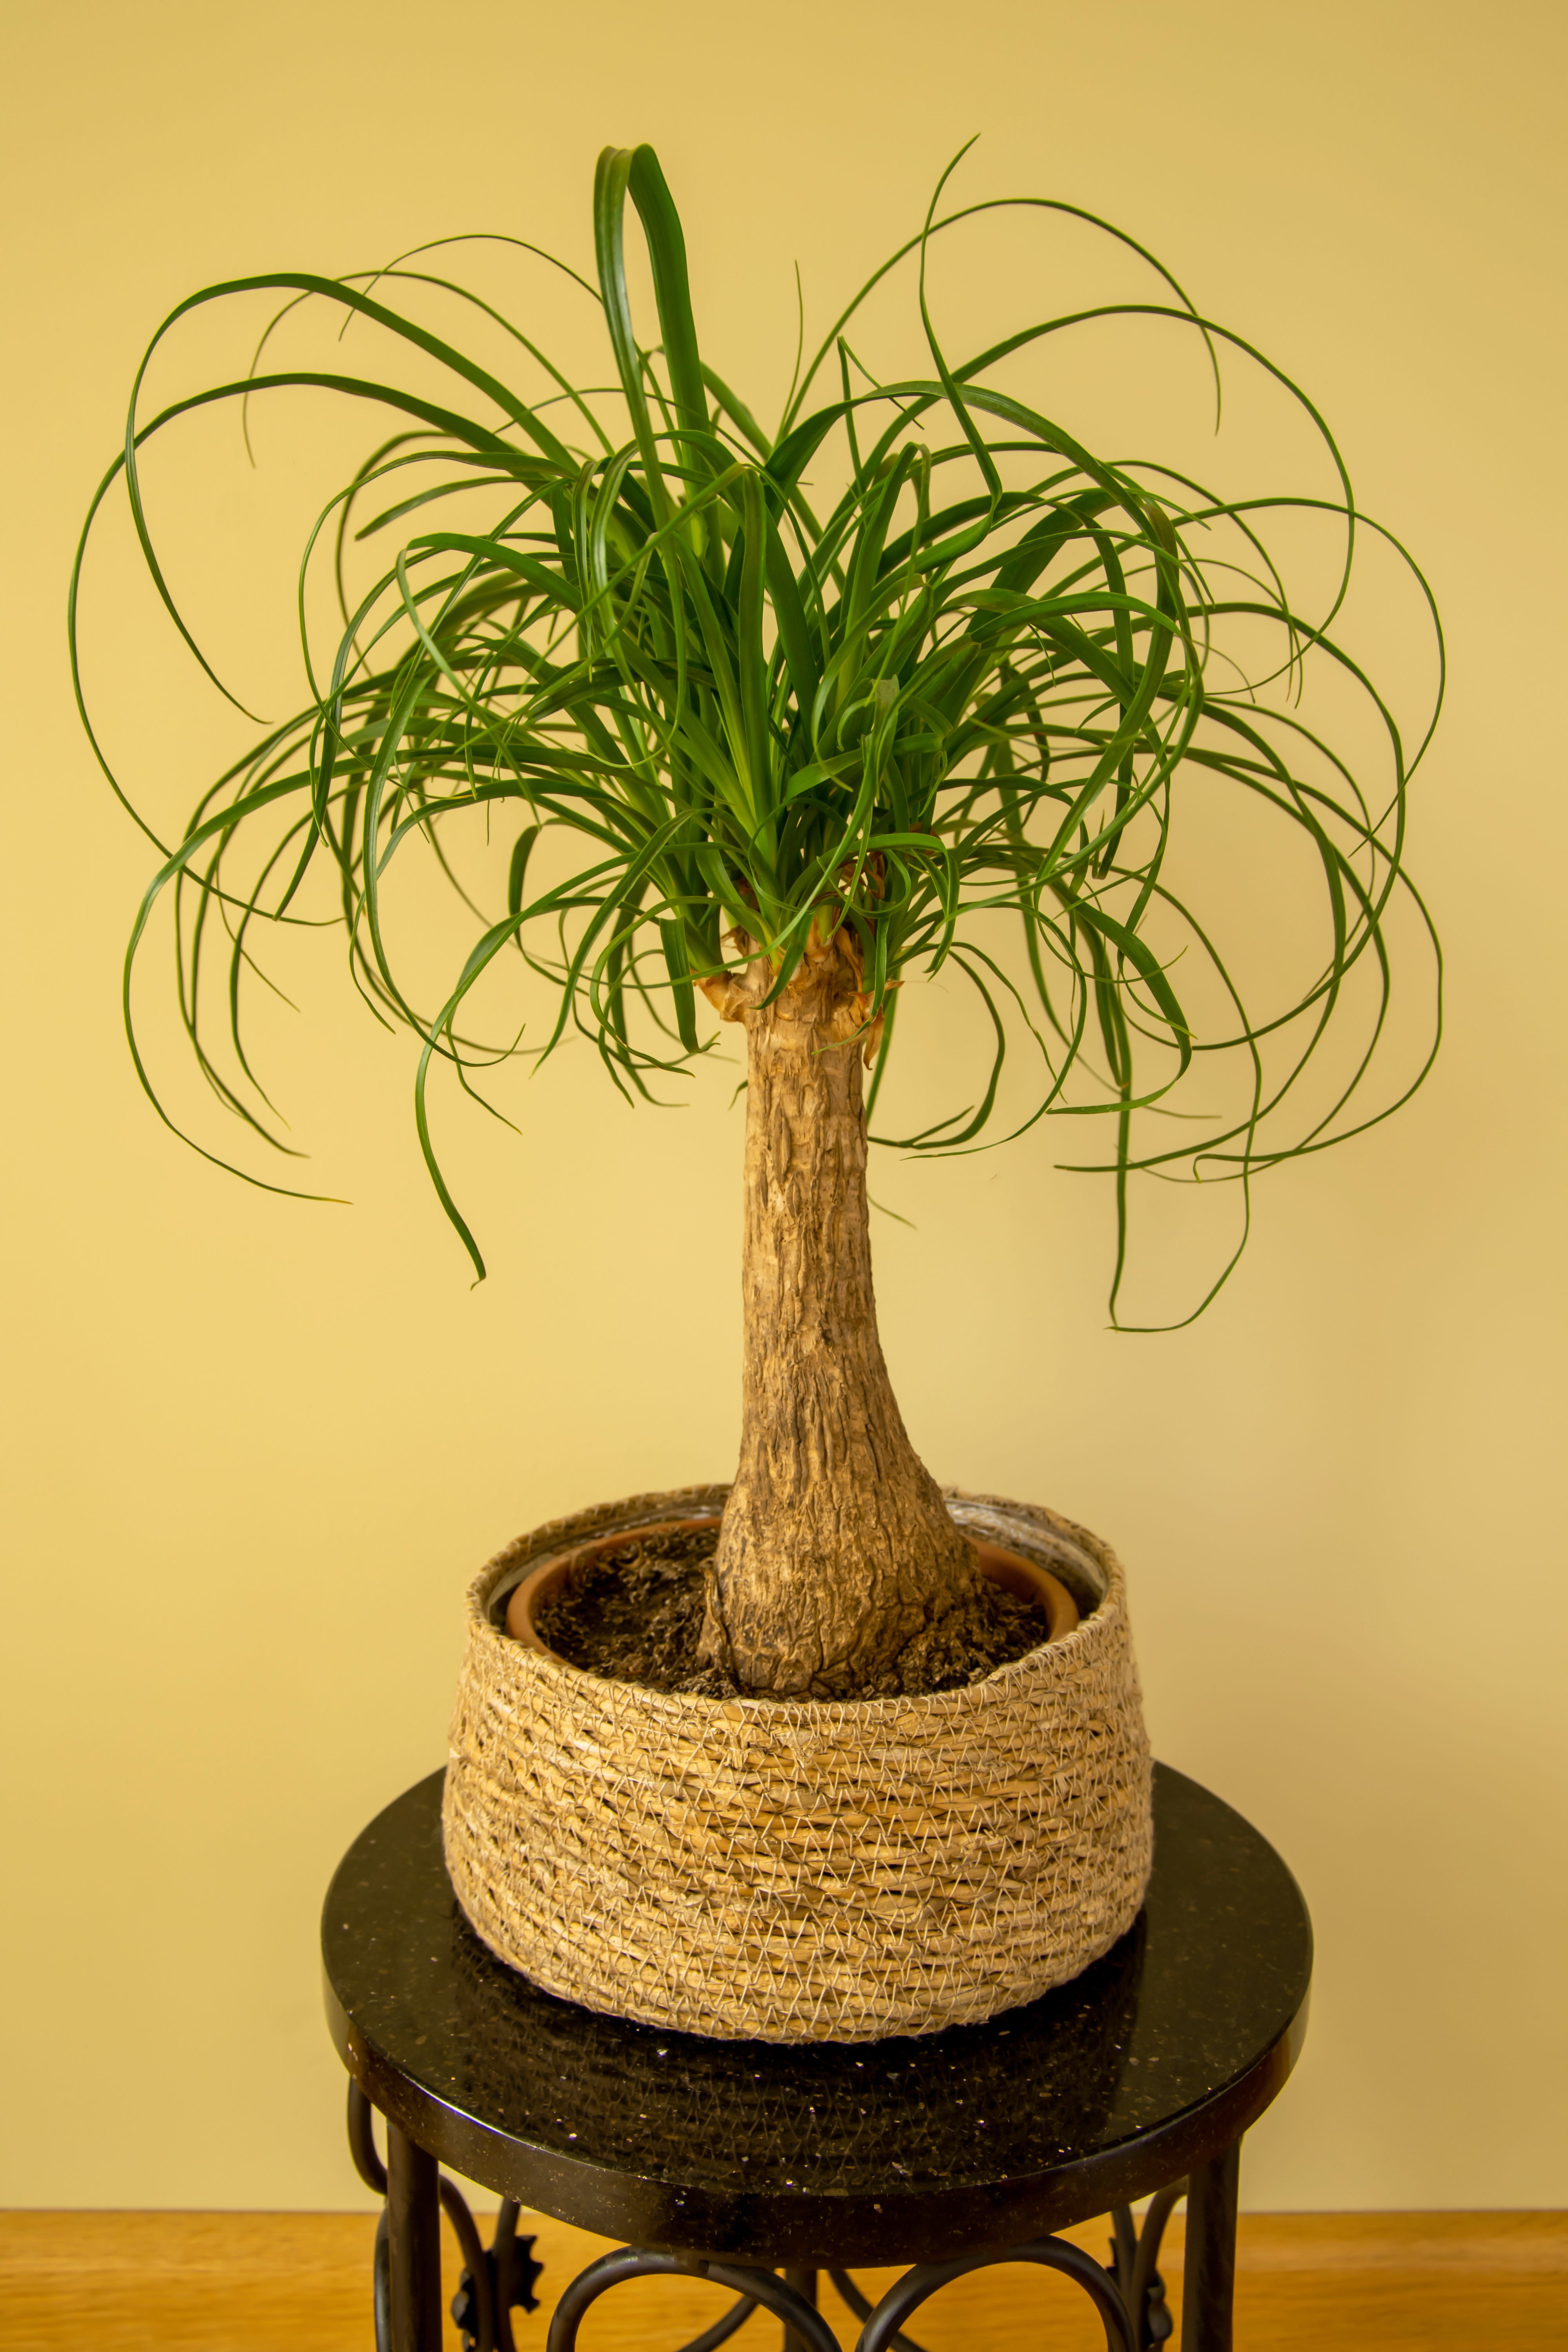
800, 743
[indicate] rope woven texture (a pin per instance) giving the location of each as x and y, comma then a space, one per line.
802, 1870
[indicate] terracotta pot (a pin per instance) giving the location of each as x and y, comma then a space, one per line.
1015, 1574
801, 1869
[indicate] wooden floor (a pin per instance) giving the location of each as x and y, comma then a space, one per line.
300, 2283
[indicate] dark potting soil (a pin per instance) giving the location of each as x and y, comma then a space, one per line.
634, 1614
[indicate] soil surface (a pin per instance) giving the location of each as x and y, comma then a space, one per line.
635, 1615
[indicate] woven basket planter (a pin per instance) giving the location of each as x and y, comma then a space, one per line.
802, 1870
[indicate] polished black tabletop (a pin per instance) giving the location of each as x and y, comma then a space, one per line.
1150, 2062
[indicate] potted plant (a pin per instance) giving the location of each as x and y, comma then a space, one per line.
877, 693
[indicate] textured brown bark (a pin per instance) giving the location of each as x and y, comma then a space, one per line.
838, 1571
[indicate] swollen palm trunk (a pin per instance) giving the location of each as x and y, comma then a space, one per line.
838, 1570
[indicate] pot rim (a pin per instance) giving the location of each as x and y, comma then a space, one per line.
1025, 1578
1038, 1535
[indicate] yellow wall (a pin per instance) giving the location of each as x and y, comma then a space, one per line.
255, 1450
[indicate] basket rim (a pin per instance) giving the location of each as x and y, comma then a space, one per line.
1052, 1662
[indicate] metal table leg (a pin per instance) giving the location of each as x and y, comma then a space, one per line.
413, 2245
804, 2284
1209, 2288
496, 2281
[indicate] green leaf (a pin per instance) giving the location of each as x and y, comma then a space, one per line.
921, 663
673, 936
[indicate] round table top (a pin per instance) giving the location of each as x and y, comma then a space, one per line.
917, 2148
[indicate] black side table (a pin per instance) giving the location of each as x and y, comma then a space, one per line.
737, 2160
